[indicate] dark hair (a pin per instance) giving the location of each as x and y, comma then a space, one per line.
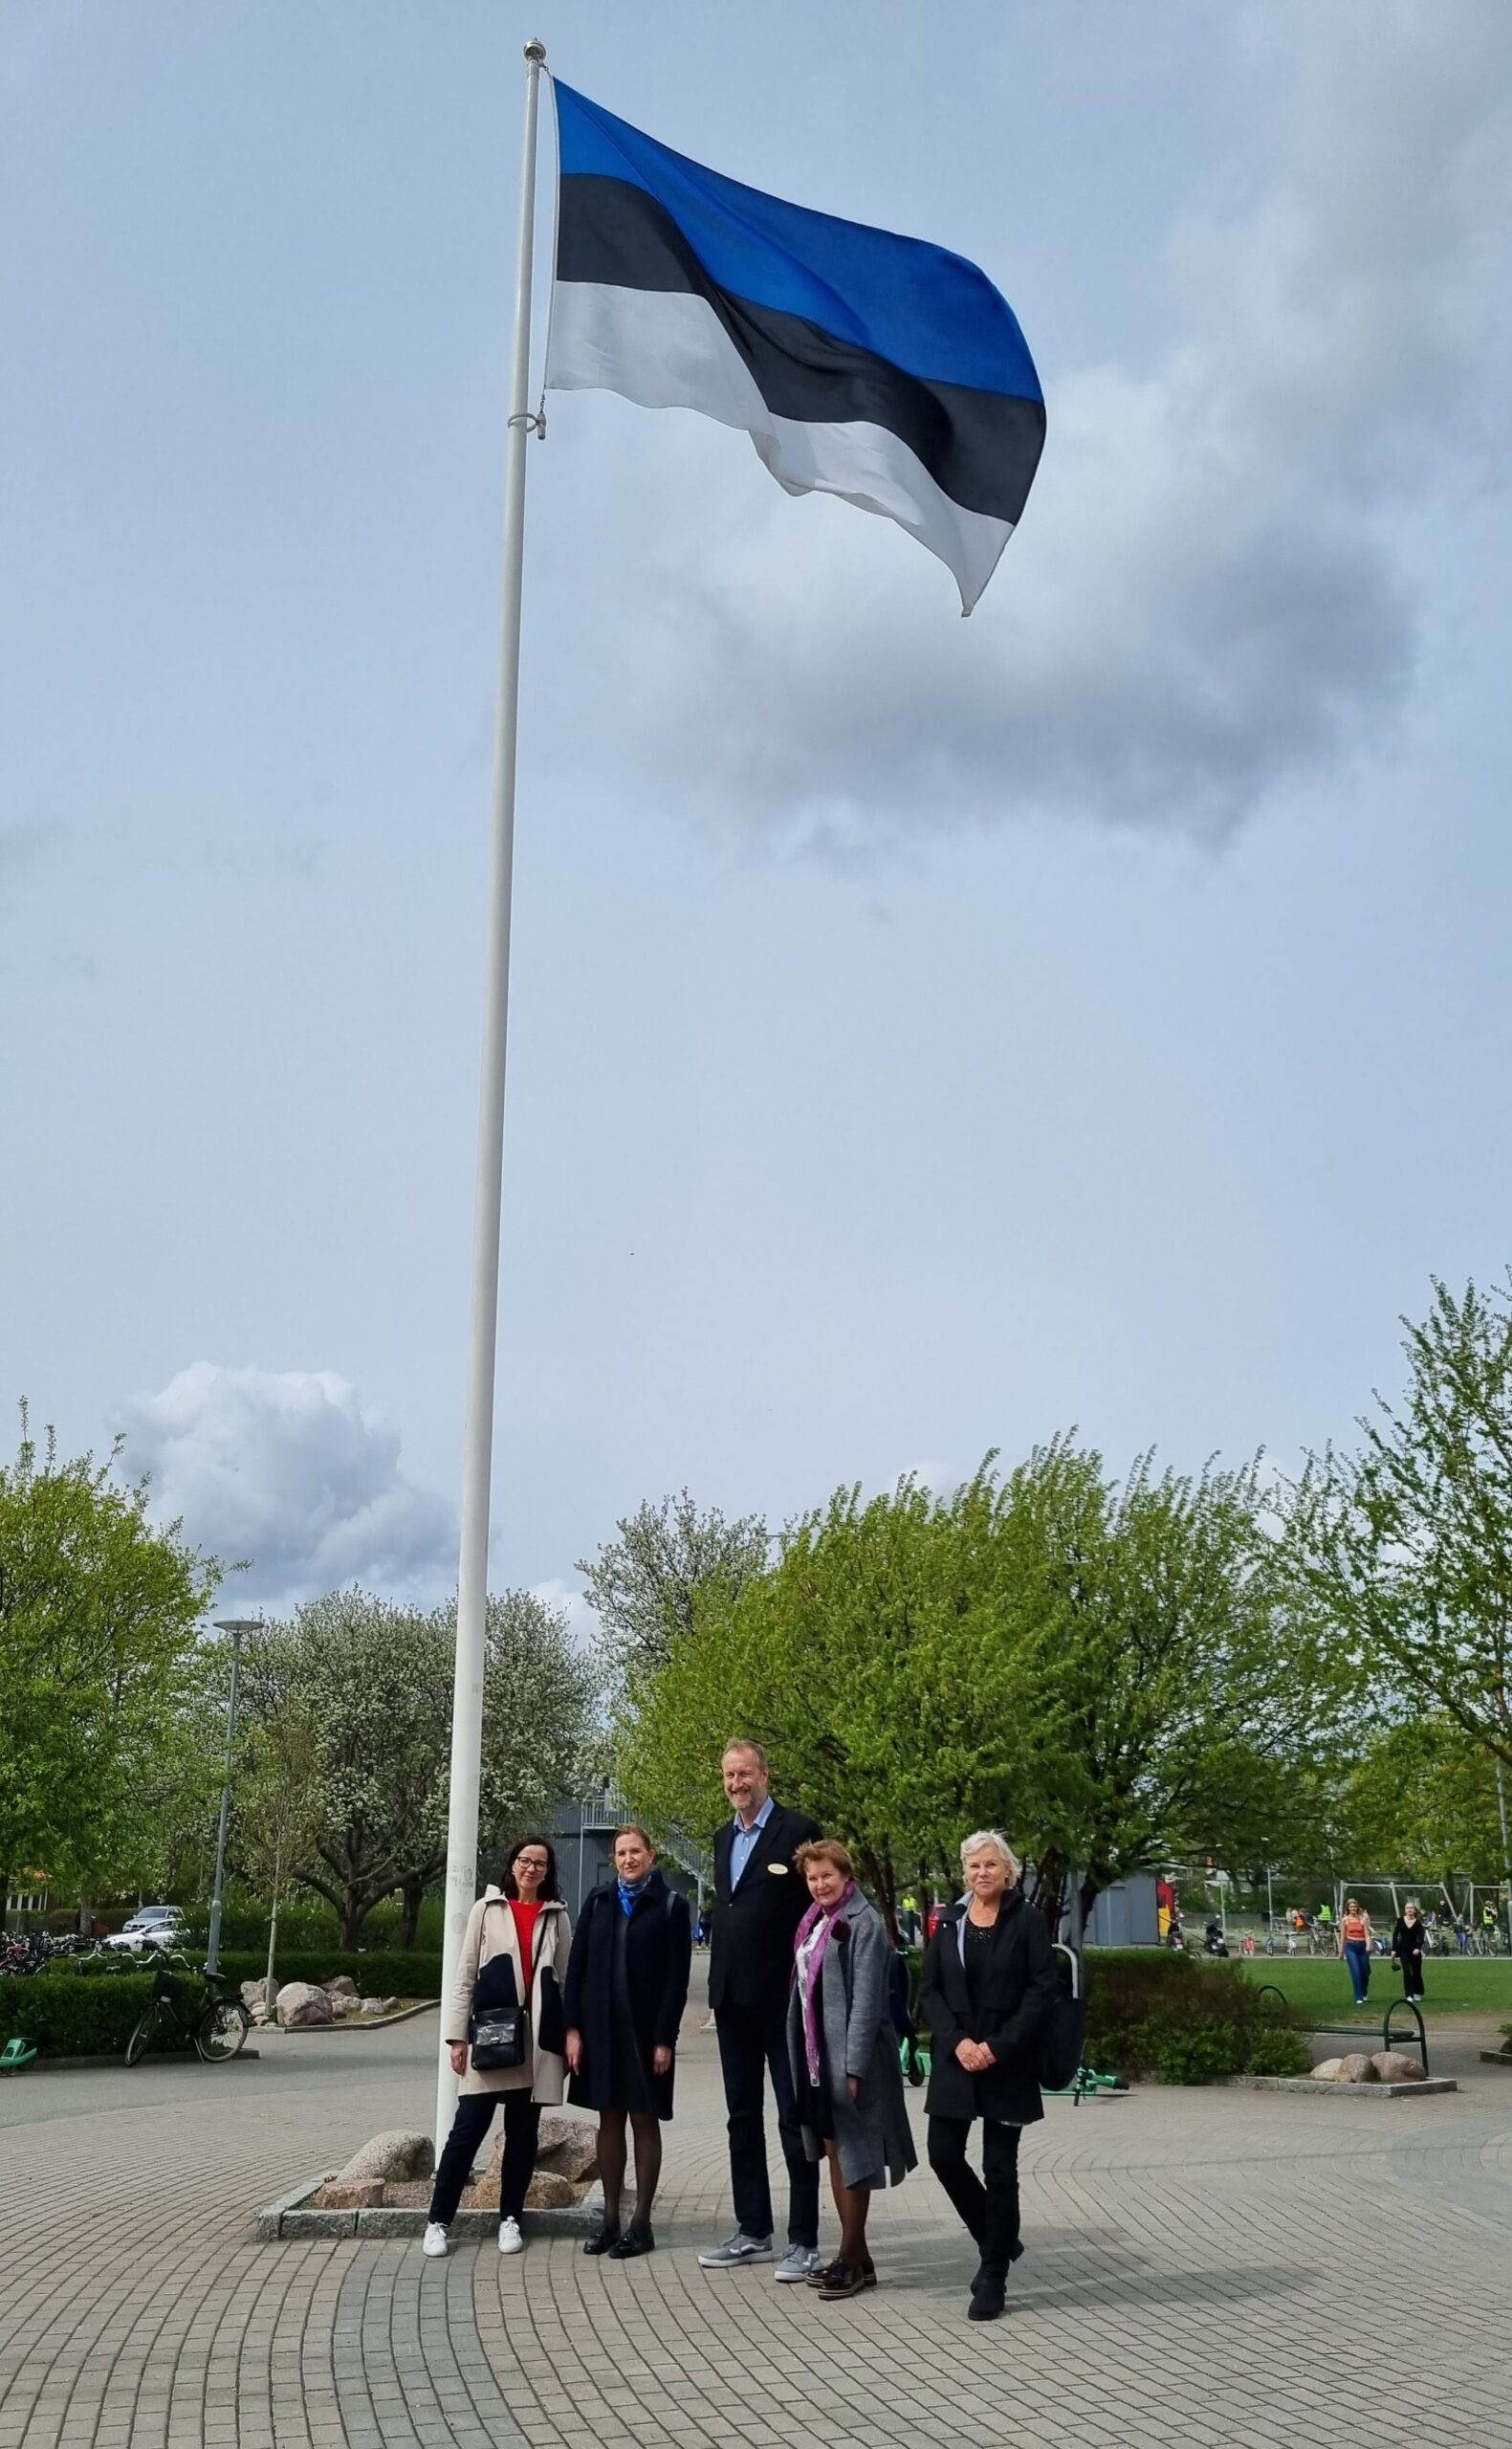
548, 1893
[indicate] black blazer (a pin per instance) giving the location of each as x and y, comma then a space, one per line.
752, 1928
1018, 1989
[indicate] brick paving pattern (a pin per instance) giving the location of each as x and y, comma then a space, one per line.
1192, 2260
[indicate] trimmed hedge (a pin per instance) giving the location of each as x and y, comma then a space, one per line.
379, 1973
1151, 2011
76, 2011
1155, 2012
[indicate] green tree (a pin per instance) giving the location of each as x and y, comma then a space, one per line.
101, 1671
277, 1807
1111, 1672
646, 1586
373, 1683
1422, 1800
1407, 1545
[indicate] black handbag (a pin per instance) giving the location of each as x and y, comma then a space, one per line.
498, 2038
498, 2027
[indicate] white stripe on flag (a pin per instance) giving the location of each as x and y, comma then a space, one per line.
668, 349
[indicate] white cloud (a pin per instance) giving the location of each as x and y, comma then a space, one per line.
1218, 589
290, 1470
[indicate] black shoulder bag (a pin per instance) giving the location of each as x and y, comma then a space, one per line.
499, 2031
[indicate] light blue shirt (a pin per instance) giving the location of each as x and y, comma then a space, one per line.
743, 1843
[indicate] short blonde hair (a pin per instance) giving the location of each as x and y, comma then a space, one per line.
981, 1839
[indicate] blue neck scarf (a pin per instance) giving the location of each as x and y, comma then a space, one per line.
629, 1894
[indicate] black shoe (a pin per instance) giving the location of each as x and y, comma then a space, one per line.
604, 2239
989, 2293
825, 2272
635, 2241
843, 2278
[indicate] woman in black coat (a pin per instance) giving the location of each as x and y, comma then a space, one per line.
626, 1990
987, 1986
1407, 1946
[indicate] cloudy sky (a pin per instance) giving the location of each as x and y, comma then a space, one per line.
926, 1034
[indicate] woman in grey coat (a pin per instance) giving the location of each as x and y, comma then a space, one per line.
843, 2055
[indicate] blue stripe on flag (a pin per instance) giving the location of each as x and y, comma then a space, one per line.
930, 312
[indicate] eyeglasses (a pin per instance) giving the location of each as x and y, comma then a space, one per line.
531, 1862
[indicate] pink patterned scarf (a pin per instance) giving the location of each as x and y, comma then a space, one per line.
808, 1988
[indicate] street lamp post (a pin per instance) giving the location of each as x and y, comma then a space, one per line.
236, 1626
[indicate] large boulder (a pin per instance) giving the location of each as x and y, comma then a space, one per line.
549, 2192
1357, 2068
342, 1987
393, 2155
350, 2194
568, 2147
303, 2002
1395, 2066
254, 1994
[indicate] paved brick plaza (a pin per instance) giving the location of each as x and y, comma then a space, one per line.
1192, 2259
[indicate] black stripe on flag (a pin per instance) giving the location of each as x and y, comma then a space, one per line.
981, 448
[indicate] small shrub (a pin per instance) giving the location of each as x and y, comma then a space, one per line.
80, 2011
1194, 2052
1181, 2019
1275, 2049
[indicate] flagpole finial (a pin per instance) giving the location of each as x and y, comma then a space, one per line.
537, 50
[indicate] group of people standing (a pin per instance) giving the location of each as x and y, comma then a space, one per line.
800, 1982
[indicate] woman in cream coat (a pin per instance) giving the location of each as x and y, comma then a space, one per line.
517, 1946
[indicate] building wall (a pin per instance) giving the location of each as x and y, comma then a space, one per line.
1126, 1915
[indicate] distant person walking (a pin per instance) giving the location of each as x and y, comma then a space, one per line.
844, 2053
514, 1954
987, 1986
1407, 1947
1354, 1946
626, 1989
760, 1900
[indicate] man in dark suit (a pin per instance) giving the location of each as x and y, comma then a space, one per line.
760, 1901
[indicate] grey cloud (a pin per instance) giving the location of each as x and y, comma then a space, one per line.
1211, 595
289, 1470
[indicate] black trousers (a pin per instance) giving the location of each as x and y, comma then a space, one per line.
750, 2041
471, 2124
989, 2212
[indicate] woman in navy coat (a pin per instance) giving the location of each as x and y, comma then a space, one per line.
626, 1990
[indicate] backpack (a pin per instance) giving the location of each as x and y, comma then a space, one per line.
1059, 2049
899, 2003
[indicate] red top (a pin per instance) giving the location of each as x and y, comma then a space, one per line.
525, 1918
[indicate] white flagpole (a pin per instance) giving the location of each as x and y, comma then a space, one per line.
478, 1447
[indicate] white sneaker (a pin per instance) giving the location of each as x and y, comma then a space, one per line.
510, 2241
434, 2239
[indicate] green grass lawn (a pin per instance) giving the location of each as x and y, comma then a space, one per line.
1452, 1985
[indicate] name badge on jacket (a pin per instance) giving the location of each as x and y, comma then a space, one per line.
779, 1870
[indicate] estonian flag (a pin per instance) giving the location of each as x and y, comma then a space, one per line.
876, 367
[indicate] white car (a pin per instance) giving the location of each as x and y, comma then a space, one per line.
155, 1927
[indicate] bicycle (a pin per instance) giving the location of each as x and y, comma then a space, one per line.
217, 2026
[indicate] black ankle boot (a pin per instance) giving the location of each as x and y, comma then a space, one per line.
603, 2238
989, 2293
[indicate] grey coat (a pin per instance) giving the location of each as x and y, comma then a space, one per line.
872, 2139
